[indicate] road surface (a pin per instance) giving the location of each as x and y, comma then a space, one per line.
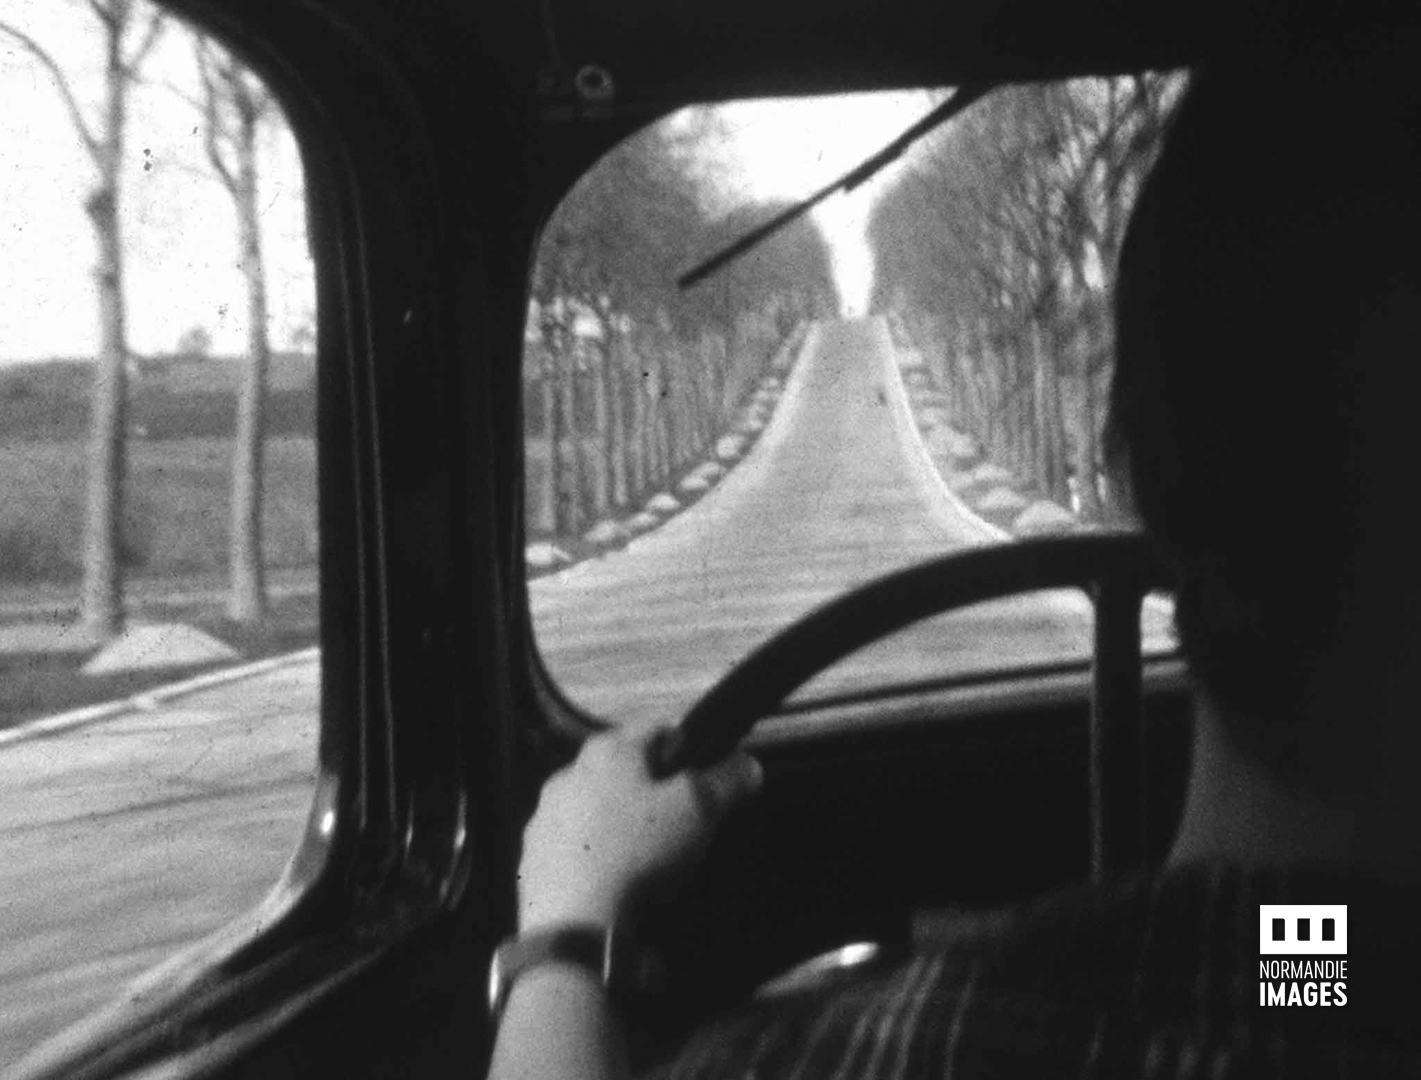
832, 495
121, 842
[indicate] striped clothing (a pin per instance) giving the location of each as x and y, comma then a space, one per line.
1156, 976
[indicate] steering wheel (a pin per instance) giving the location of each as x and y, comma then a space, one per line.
1114, 570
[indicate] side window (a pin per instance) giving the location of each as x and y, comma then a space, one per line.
921, 365
159, 640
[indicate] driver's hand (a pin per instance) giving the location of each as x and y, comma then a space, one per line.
604, 827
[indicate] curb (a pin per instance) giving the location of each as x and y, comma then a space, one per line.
929, 475
770, 437
791, 390
149, 700
918, 450
788, 355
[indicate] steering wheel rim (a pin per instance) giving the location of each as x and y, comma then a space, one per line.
1114, 570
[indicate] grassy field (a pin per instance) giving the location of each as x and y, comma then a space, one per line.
181, 415
174, 399
175, 531
34, 685
176, 516
177, 494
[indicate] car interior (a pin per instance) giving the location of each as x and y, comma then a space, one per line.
438, 139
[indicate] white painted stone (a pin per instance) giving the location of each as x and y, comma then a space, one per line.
639, 523
662, 503
158, 645
750, 425
1043, 517
959, 481
728, 447
990, 473
930, 417
587, 325
544, 555
956, 443
709, 470
693, 484
605, 532
1001, 498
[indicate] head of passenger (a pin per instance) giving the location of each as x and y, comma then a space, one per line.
1267, 401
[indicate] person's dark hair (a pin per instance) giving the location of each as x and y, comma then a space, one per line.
1267, 398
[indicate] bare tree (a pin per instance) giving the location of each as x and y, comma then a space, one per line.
235, 104
1002, 245
129, 29
631, 379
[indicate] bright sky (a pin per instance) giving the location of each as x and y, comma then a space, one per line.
791, 147
180, 224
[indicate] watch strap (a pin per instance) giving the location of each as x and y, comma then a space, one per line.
584, 945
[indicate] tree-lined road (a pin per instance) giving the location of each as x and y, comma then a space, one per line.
834, 494
123, 841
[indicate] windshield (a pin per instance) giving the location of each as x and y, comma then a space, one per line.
916, 367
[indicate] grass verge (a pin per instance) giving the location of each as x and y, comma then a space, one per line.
39, 684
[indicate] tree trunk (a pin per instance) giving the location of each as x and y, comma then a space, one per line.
1050, 422
655, 444
702, 409
247, 599
667, 420
639, 433
966, 415
1087, 451
1021, 424
599, 489
101, 601
556, 482
617, 399
1024, 399
545, 500
741, 336
720, 370
571, 523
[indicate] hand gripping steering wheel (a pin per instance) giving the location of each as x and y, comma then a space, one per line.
1115, 571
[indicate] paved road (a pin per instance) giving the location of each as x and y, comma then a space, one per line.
832, 495
122, 842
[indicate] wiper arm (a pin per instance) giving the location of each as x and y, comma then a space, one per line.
964, 97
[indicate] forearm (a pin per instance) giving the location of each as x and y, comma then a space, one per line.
604, 827
558, 1025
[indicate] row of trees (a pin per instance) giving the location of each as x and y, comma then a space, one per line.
232, 107
627, 380
998, 249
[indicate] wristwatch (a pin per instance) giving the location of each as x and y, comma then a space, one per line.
586, 945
